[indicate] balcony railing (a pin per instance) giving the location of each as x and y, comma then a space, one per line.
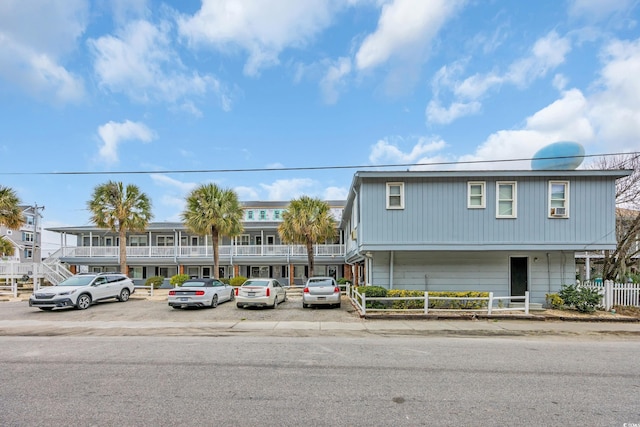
233, 251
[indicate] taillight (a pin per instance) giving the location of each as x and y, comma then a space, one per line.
268, 291
306, 290
237, 290
172, 292
336, 289
200, 293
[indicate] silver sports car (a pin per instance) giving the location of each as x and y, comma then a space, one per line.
200, 293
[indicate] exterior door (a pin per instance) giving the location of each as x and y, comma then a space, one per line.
519, 275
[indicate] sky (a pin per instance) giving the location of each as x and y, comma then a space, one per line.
283, 98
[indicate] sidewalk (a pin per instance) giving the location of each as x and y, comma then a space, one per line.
459, 328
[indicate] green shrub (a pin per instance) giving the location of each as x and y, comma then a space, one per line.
343, 281
583, 299
460, 304
406, 304
554, 301
224, 280
374, 291
237, 281
155, 281
178, 279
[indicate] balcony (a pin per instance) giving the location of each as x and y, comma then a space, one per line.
200, 252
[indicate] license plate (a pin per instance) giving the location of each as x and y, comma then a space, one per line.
252, 294
184, 299
322, 297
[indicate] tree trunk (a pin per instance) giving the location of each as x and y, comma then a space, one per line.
122, 233
214, 245
310, 258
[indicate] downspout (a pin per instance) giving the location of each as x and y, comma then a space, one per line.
391, 269
548, 273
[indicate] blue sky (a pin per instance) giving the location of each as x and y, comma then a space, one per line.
149, 86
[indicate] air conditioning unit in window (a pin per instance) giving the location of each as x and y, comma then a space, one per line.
558, 211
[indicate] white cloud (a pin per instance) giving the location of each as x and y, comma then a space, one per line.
140, 62
547, 53
246, 193
33, 60
261, 28
333, 81
596, 10
113, 133
405, 29
166, 181
335, 193
388, 152
287, 189
440, 115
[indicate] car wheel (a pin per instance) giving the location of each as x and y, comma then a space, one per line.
232, 295
305, 305
124, 295
275, 303
84, 301
177, 307
46, 308
214, 301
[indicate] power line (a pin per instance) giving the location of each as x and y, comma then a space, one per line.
309, 168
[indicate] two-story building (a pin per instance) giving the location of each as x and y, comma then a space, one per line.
501, 231
169, 248
26, 240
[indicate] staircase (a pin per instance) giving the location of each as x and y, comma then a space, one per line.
53, 270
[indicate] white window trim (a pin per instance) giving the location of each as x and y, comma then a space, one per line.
514, 184
394, 184
550, 209
483, 195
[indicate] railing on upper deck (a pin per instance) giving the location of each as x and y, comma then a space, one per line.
235, 251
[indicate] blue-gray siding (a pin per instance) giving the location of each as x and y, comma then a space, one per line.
436, 216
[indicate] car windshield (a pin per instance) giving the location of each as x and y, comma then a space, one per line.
77, 281
320, 282
193, 284
263, 283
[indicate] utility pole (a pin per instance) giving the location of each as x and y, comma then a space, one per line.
37, 247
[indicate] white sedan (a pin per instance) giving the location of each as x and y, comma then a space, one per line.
260, 293
200, 293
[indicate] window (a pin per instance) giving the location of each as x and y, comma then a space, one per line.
138, 240
30, 220
395, 195
136, 272
165, 241
506, 206
475, 190
250, 215
244, 240
558, 199
28, 253
27, 236
263, 215
276, 214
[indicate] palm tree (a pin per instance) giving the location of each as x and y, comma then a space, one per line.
307, 221
11, 215
120, 209
6, 248
216, 212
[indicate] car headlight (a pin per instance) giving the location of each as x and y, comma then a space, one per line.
68, 292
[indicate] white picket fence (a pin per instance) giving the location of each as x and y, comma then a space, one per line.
493, 303
616, 294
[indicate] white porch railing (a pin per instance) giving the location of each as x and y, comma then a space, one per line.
235, 251
621, 294
493, 303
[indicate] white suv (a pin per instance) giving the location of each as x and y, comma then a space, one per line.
81, 290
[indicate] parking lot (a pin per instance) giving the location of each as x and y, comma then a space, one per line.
141, 308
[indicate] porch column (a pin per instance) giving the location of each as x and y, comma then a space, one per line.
291, 270
236, 270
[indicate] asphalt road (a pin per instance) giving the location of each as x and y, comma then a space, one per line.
285, 381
